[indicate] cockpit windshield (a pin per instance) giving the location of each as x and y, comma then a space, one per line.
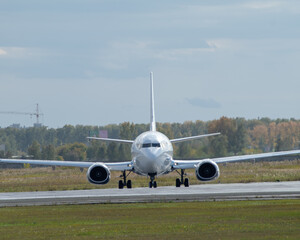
155, 144
147, 145
152, 140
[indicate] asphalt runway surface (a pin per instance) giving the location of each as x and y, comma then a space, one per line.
204, 192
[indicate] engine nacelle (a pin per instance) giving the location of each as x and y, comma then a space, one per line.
207, 170
98, 174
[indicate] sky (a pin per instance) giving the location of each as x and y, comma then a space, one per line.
88, 61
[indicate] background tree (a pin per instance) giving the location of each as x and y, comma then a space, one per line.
113, 152
233, 134
287, 135
48, 152
72, 152
129, 132
35, 150
218, 146
242, 136
97, 151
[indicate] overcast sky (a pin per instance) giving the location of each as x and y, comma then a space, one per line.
88, 61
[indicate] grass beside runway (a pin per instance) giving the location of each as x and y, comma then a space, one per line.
196, 220
45, 179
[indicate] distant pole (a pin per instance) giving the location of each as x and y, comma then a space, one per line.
37, 113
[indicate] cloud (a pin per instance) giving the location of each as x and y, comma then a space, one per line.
209, 46
173, 54
263, 5
118, 55
15, 52
2, 52
203, 103
25, 53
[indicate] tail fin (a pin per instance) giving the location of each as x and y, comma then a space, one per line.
152, 114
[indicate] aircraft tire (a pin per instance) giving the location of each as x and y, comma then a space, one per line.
121, 185
186, 182
154, 184
178, 183
129, 185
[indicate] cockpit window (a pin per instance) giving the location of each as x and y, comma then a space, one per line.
147, 145
155, 144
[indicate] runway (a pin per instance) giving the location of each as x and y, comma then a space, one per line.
205, 192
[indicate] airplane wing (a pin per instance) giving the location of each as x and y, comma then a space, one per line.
177, 140
254, 156
186, 164
116, 166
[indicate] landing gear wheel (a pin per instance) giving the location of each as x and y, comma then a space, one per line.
129, 184
178, 183
152, 183
183, 181
124, 183
186, 182
121, 184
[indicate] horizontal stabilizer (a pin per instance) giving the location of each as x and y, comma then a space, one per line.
193, 137
111, 140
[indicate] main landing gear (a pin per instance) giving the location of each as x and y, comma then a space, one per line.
152, 183
180, 181
123, 183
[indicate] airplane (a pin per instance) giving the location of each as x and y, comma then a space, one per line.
152, 156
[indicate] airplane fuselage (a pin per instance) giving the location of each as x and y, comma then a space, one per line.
152, 154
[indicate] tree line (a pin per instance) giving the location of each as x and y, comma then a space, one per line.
238, 136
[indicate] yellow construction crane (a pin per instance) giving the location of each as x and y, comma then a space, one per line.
37, 114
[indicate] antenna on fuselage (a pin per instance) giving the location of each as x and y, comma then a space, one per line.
152, 114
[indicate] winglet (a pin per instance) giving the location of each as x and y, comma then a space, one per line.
152, 114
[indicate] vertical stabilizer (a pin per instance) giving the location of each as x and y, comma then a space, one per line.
152, 114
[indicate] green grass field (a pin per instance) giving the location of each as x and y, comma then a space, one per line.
195, 220
45, 179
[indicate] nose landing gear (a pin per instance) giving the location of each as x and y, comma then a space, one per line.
152, 183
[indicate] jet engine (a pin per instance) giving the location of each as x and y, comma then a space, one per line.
207, 170
98, 174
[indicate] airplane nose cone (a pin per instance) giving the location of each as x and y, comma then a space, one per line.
151, 155
149, 160
152, 160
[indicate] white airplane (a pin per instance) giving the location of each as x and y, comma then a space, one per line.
152, 155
